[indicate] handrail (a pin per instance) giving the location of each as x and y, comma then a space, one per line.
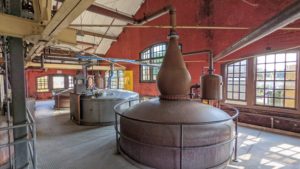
181, 148
30, 139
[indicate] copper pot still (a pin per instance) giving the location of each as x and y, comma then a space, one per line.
150, 135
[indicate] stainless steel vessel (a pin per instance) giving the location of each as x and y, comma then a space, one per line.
97, 109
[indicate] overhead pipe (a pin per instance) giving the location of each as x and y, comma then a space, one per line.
287, 16
154, 15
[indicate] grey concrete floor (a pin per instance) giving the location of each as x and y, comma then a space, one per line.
61, 144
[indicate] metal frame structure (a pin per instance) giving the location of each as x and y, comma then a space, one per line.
30, 140
181, 148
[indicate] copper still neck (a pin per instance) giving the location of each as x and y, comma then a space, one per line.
173, 78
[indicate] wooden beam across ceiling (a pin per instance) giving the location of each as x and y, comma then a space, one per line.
30, 30
68, 66
69, 11
83, 32
101, 10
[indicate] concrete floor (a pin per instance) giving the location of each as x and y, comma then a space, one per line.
63, 145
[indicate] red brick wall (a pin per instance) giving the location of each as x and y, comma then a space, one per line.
32, 74
202, 12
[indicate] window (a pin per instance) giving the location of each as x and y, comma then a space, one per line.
153, 55
117, 81
71, 82
276, 80
58, 82
236, 81
42, 84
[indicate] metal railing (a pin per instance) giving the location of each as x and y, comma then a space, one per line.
126, 104
30, 140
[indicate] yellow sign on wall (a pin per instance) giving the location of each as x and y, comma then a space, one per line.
128, 80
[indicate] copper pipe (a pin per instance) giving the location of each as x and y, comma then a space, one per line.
180, 27
154, 15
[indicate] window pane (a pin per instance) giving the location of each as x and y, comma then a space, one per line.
269, 93
270, 67
260, 68
229, 95
58, 82
236, 69
261, 59
290, 103
280, 57
269, 85
270, 59
279, 84
290, 76
269, 101
291, 66
242, 96
270, 76
279, 76
280, 66
242, 88
260, 92
290, 85
291, 57
230, 69
279, 93
260, 84
259, 100
260, 76
243, 69
236, 96
290, 94
279, 102
229, 88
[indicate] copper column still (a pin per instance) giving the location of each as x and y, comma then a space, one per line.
173, 132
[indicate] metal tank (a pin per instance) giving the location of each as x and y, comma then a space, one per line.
211, 87
173, 132
97, 109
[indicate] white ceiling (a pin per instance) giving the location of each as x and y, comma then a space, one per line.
129, 7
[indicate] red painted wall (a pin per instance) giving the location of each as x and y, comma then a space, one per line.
203, 12
32, 74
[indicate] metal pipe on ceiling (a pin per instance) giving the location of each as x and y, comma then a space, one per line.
287, 16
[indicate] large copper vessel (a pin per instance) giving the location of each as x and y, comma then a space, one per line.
173, 132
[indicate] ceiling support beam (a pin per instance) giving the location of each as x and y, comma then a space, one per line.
68, 66
83, 32
42, 10
68, 12
98, 9
95, 8
287, 16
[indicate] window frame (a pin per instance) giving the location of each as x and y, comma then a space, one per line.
239, 84
251, 89
118, 83
37, 84
296, 98
58, 75
150, 59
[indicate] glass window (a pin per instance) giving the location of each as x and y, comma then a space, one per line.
117, 80
153, 55
71, 82
236, 80
276, 80
58, 82
42, 84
